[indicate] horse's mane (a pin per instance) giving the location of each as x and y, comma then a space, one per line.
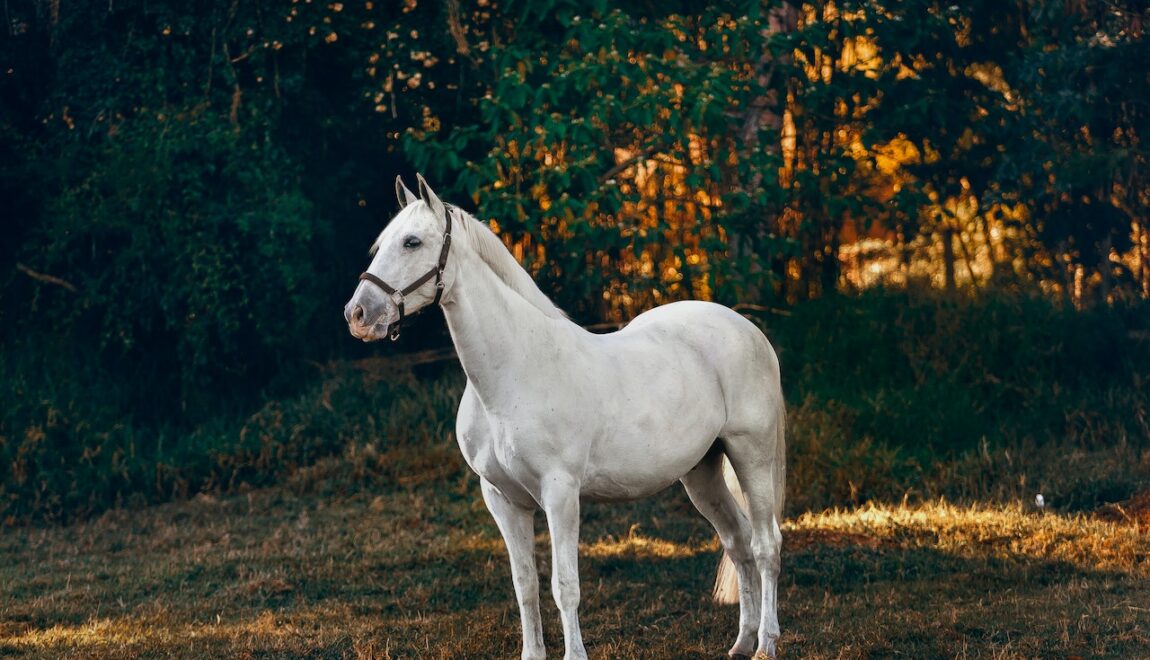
501, 262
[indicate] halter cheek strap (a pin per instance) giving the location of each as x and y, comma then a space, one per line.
436, 272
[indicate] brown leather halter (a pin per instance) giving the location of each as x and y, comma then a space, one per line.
436, 272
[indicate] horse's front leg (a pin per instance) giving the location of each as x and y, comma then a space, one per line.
561, 505
517, 525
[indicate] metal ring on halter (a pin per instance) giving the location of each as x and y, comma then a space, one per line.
394, 328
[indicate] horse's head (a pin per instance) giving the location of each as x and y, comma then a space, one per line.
407, 271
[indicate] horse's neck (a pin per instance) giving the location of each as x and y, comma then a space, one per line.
497, 333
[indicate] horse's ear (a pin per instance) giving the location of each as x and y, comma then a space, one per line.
405, 196
427, 195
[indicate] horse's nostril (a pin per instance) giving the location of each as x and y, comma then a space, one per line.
357, 314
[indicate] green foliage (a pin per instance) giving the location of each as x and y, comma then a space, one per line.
1087, 204
198, 262
935, 374
67, 451
1017, 105
172, 243
920, 394
620, 142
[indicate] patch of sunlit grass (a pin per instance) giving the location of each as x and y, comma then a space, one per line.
121, 632
1002, 531
93, 634
637, 546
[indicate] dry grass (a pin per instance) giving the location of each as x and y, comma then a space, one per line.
418, 570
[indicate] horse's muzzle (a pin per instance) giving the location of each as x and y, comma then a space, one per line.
354, 315
361, 326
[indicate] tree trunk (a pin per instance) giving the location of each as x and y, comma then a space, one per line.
991, 249
831, 268
1142, 258
1104, 284
948, 258
764, 112
903, 256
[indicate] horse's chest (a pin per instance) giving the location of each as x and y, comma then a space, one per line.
502, 458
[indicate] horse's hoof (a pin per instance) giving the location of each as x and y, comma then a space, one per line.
761, 655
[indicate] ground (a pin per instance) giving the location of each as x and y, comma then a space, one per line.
417, 569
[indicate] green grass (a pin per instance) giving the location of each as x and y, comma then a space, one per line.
416, 569
341, 521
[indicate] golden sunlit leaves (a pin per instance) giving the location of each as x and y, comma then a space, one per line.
835, 180
430, 122
890, 157
425, 57
991, 75
860, 53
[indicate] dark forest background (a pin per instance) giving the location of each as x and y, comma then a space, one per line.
937, 210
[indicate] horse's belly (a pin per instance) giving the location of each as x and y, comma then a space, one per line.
647, 458
605, 488
659, 423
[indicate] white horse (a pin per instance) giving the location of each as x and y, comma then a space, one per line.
552, 413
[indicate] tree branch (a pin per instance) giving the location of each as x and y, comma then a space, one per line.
642, 155
41, 277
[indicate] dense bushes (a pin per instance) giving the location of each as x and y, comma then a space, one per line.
900, 393
189, 248
67, 451
891, 394
934, 372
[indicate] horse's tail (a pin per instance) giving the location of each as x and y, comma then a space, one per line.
726, 591
780, 466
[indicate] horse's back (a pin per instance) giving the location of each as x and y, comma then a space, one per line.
725, 337
740, 355
694, 317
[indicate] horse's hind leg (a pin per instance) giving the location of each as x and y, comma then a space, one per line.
708, 491
759, 463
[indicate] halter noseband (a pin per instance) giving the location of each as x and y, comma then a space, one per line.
436, 272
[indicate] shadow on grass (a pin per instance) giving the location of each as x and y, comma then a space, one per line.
422, 574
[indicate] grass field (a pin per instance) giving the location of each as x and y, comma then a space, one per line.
414, 567
338, 520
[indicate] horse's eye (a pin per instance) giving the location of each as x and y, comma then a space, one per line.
412, 242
